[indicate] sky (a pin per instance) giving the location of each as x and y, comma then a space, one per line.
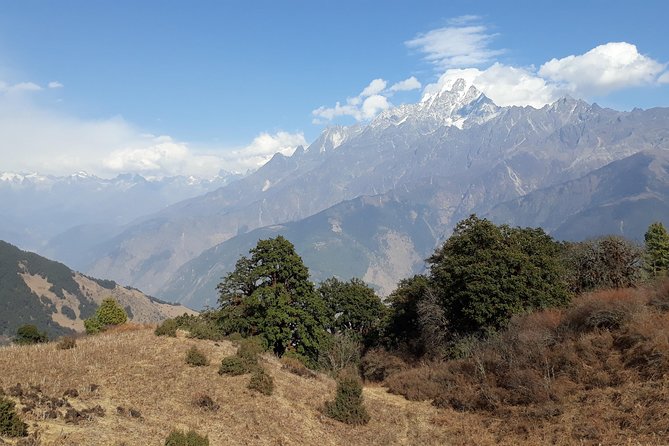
192, 87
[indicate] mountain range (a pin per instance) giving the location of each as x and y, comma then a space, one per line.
62, 217
373, 200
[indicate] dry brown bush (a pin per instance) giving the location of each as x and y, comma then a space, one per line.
377, 365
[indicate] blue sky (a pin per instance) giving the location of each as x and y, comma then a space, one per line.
188, 87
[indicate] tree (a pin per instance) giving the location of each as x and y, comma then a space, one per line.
657, 249
403, 327
108, 313
29, 334
269, 295
483, 274
353, 307
606, 262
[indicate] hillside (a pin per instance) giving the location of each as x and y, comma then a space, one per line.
622, 198
49, 295
376, 238
125, 370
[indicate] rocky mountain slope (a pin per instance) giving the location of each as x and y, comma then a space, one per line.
35, 290
455, 151
623, 197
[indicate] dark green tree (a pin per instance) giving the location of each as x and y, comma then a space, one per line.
353, 307
269, 295
29, 334
403, 328
657, 249
483, 274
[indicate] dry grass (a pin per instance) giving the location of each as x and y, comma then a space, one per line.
136, 369
594, 373
556, 377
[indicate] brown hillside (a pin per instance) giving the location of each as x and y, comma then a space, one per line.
144, 389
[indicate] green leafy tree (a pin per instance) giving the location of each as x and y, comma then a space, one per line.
657, 249
483, 274
29, 334
353, 307
403, 327
108, 313
269, 295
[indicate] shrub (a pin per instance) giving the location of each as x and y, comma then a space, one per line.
108, 313
378, 364
249, 349
190, 438
347, 406
93, 325
167, 328
10, 423
201, 328
67, 342
205, 402
234, 366
196, 358
415, 384
296, 367
29, 334
343, 351
262, 382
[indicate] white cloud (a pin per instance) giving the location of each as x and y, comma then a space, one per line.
54, 84
406, 85
664, 78
46, 140
505, 85
375, 87
261, 150
372, 100
463, 44
374, 105
603, 69
16, 88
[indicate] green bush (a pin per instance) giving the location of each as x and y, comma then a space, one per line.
67, 342
167, 328
196, 358
234, 366
347, 406
10, 423
249, 349
111, 313
190, 438
93, 325
262, 382
108, 313
29, 334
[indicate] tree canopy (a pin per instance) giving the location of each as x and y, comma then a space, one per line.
657, 249
483, 274
353, 307
269, 295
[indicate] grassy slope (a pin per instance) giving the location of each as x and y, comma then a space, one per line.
138, 370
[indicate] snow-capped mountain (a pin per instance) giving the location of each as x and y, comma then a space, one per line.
457, 104
453, 153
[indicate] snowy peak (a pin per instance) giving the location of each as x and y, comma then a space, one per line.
458, 104
333, 137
